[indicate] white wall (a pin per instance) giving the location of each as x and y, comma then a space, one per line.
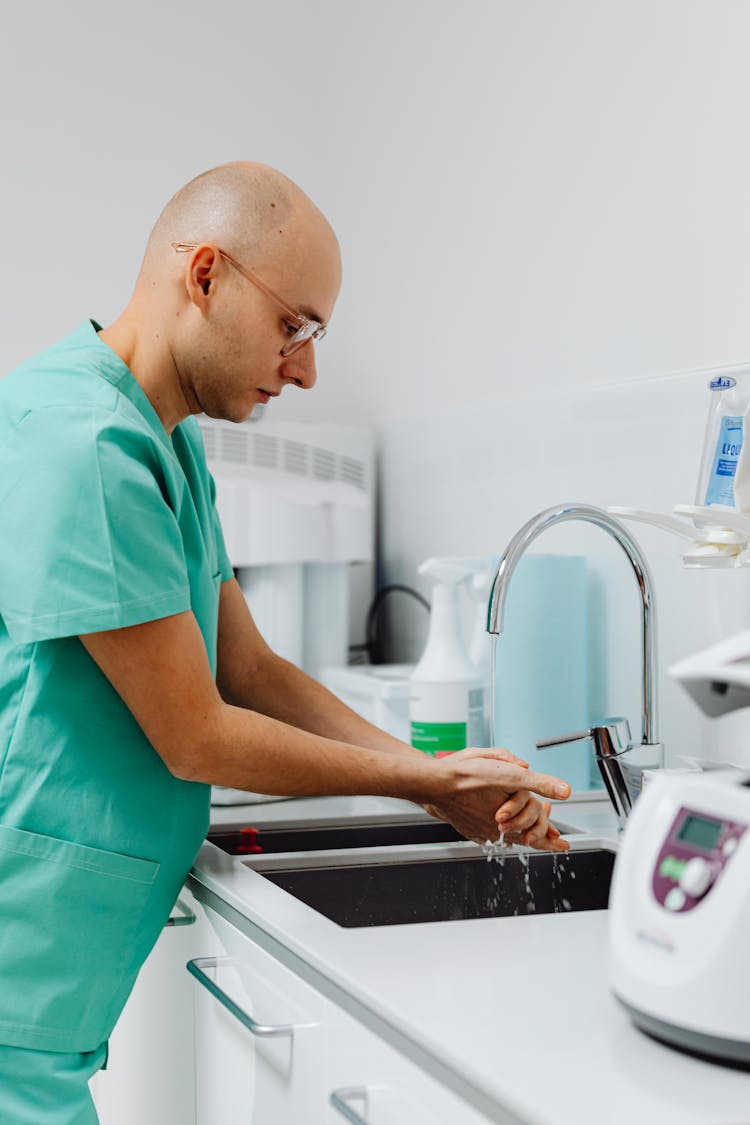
542, 207
108, 108
548, 192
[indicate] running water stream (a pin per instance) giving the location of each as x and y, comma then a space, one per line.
497, 850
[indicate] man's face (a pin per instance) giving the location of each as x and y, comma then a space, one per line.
231, 355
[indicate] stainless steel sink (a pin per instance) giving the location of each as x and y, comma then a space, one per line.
440, 890
247, 840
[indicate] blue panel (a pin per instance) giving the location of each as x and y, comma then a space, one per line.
541, 677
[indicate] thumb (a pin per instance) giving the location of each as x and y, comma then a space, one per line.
546, 785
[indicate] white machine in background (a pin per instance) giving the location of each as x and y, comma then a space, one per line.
296, 503
680, 914
718, 678
716, 528
680, 899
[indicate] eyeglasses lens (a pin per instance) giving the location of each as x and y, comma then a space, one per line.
311, 330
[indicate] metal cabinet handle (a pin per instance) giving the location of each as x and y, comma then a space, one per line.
340, 1100
183, 917
264, 1031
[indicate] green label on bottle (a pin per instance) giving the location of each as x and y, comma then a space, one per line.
438, 738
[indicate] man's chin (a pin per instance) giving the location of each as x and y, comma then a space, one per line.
237, 413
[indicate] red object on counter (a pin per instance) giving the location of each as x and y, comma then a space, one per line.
249, 842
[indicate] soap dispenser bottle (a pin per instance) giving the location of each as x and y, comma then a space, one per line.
446, 697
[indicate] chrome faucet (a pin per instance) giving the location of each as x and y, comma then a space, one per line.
620, 761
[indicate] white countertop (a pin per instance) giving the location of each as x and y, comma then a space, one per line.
518, 1007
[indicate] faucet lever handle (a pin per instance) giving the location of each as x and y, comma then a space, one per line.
611, 741
563, 739
610, 738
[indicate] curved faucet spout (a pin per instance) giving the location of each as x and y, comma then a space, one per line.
588, 514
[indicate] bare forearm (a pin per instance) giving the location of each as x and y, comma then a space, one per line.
245, 750
161, 672
281, 691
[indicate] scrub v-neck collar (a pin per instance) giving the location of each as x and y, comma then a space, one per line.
117, 372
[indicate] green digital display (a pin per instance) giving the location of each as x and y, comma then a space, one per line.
700, 831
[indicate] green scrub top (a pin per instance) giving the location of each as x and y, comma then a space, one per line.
107, 521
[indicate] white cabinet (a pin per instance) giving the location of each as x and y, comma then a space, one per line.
149, 1075
322, 1068
372, 1084
260, 1038
243, 1039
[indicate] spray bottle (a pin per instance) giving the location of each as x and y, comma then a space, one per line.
446, 697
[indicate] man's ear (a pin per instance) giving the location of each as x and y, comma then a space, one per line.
201, 274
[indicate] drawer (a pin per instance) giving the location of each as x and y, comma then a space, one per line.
260, 1039
373, 1083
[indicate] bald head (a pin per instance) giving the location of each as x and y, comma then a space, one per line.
209, 330
250, 210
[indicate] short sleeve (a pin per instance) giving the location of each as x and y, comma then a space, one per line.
226, 570
192, 453
89, 540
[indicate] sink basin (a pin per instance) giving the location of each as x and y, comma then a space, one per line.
442, 890
272, 841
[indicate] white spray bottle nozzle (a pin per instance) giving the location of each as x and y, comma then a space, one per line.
475, 572
452, 571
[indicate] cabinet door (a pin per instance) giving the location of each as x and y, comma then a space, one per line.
149, 1075
370, 1083
260, 1040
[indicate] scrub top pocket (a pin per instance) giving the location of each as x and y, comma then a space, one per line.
70, 939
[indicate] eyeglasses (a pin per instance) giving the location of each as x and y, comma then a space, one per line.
306, 329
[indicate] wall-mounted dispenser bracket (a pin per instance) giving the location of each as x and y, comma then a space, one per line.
720, 535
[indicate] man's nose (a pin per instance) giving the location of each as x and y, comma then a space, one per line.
300, 366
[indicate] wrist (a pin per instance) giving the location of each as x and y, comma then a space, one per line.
423, 781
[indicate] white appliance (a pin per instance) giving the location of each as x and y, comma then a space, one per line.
379, 693
680, 914
296, 503
718, 678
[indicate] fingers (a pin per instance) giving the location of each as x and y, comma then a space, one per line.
532, 820
553, 845
545, 785
513, 805
513, 774
497, 752
519, 813
544, 835
552, 842
545, 838
530, 824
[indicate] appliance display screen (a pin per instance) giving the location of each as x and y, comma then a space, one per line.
700, 831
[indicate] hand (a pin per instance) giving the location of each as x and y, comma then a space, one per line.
523, 819
476, 783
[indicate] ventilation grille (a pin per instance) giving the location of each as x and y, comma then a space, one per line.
265, 451
352, 472
324, 464
235, 445
296, 458
211, 443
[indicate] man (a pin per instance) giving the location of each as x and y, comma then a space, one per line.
131, 673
